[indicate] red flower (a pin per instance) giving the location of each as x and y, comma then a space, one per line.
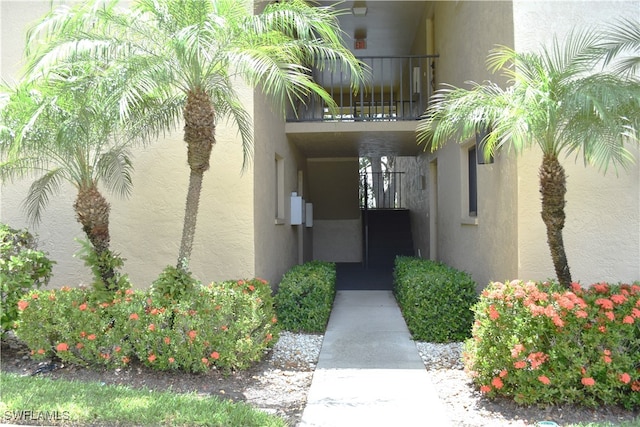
558, 321
91, 337
628, 320
35, 296
485, 389
152, 327
205, 361
520, 364
215, 355
503, 373
83, 306
79, 346
118, 349
62, 347
602, 329
274, 319
41, 351
625, 378
618, 298
167, 340
151, 358
607, 304
497, 383
171, 360
192, 335
582, 314
635, 386
493, 313
537, 359
635, 312
22, 305
83, 334
601, 288
252, 288
133, 316
544, 379
588, 381
610, 315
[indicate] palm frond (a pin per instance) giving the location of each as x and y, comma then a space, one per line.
39, 193
114, 169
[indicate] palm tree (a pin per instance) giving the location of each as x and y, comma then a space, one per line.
556, 100
60, 130
618, 39
188, 53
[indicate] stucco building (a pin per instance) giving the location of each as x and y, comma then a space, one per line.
245, 222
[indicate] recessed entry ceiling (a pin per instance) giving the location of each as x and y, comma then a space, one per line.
389, 28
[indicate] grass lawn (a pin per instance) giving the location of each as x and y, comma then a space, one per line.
25, 399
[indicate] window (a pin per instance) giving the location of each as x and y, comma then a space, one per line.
473, 181
279, 193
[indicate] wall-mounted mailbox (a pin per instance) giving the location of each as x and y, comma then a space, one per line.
297, 209
309, 215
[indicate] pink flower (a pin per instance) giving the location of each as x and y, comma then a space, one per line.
625, 378
151, 358
133, 316
544, 379
167, 340
192, 335
485, 389
22, 305
215, 355
91, 337
610, 315
517, 349
629, 320
520, 364
588, 381
152, 327
62, 347
172, 360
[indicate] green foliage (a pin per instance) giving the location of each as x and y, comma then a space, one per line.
106, 260
305, 296
435, 299
539, 343
225, 325
173, 284
22, 268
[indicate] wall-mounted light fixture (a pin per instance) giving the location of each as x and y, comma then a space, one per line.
359, 10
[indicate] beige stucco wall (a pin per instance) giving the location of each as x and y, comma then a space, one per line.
602, 231
464, 33
602, 234
146, 228
277, 246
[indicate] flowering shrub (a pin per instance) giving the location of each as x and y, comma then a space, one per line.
22, 268
226, 325
435, 299
540, 343
74, 326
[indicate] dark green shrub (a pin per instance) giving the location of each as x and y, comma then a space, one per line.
305, 297
542, 344
224, 325
173, 284
22, 268
435, 299
105, 268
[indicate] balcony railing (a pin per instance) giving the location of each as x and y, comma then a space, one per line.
396, 88
381, 190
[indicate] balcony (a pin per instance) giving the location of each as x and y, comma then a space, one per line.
397, 88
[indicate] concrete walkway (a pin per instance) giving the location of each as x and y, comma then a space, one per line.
369, 372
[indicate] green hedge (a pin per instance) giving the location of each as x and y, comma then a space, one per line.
543, 344
227, 325
435, 299
305, 297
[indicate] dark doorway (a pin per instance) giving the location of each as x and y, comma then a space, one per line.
356, 277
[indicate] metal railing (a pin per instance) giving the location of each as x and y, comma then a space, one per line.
396, 88
381, 190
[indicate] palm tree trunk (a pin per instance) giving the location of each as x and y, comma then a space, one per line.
199, 134
553, 187
92, 212
190, 217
